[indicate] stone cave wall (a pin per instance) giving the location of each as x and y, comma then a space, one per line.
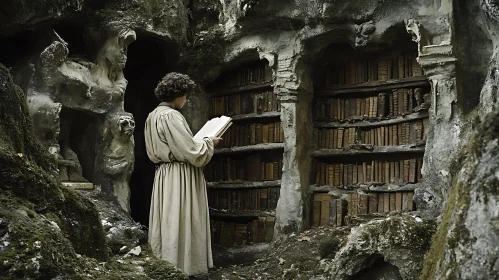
205, 38
292, 35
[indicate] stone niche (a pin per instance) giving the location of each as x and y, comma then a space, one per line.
74, 81
77, 139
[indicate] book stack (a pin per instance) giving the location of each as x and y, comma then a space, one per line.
254, 73
364, 100
383, 105
242, 233
250, 168
244, 200
381, 69
388, 135
406, 171
240, 178
245, 103
252, 134
331, 211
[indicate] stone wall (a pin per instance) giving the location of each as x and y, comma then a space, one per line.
205, 38
291, 35
295, 42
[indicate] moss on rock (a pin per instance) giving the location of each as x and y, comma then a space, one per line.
460, 248
30, 194
329, 247
401, 240
205, 57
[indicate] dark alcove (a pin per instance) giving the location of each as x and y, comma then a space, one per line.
79, 132
379, 270
149, 59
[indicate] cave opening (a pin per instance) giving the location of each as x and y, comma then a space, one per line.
149, 59
377, 268
17, 48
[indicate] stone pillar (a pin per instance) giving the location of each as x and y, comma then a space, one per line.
445, 121
292, 209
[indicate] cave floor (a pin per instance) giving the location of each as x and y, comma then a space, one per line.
293, 257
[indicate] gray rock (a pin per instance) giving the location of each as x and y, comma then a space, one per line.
391, 248
465, 245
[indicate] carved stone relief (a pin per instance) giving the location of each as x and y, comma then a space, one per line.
111, 60
95, 87
118, 156
363, 32
46, 122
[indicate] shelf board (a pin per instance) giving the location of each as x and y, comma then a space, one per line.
382, 122
251, 148
254, 116
244, 185
366, 188
218, 213
244, 88
375, 150
374, 86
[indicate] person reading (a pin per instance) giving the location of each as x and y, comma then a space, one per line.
179, 222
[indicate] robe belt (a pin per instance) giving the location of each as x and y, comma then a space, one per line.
157, 165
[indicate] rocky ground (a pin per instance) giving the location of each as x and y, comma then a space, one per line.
130, 254
295, 257
389, 248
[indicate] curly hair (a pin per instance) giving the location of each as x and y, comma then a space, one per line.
173, 85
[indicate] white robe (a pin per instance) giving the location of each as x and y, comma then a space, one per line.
179, 222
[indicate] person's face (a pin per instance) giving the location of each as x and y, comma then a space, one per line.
179, 102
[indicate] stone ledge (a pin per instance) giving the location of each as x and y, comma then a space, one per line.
250, 87
79, 185
243, 184
251, 148
248, 214
377, 122
401, 149
374, 86
366, 188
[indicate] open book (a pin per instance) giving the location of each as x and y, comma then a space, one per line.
214, 127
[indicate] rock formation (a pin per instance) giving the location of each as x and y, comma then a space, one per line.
85, 92
44, 225
53, 80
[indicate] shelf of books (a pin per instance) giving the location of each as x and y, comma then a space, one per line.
244, 176
370, 127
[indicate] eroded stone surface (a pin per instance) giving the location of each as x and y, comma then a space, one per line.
462, 247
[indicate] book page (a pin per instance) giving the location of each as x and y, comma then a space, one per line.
205, 130
213, 127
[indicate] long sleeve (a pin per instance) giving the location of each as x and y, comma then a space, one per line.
181, 142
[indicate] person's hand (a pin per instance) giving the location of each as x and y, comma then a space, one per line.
216, 140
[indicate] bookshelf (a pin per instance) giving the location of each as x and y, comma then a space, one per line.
370, 126
244, 176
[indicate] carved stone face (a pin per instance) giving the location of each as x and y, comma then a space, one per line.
126, 125
116, 48
46, 122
